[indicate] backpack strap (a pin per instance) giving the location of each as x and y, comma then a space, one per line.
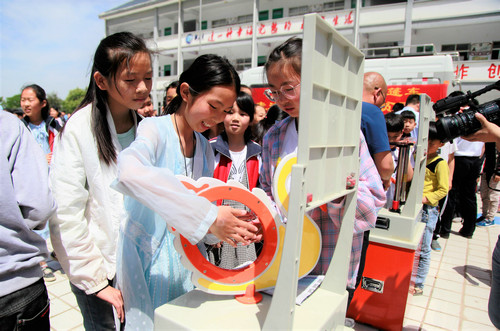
432, 166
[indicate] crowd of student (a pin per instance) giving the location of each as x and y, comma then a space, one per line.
114, 191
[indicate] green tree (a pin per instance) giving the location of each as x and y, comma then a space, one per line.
75, 96
13, 102
54, 100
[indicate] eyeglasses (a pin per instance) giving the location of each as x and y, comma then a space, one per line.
288, 91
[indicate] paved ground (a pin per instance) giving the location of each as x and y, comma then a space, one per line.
455, 295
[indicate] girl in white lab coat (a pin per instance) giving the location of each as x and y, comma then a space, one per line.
84, 231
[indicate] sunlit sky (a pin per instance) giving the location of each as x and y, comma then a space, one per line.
49, 43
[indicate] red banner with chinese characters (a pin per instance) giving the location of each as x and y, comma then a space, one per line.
399, 93
477, 71
259, 97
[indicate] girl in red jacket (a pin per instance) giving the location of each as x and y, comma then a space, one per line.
236, 158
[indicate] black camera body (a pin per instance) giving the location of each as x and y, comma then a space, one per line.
464, 123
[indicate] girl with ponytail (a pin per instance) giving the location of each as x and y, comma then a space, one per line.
149, 271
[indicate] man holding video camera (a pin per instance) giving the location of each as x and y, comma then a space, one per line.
490, 132
462, 196
478, 124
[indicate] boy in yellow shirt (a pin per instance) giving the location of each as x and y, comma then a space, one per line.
435, 188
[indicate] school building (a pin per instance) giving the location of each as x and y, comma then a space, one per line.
245, 31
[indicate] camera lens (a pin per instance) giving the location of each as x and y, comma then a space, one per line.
464, 124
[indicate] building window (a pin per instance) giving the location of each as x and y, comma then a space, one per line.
495, 50
425, 49
167, 31
264, 15
297, 11
333, 5
190, 26
385, 49
166, 70
217, 23
261, 60
277, 13
245, 18
462, 49
353, 3
243, 64
204, 25
447, 48
382, 2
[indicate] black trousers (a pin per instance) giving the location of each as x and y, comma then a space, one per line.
26, 309
462, 196
494, 300
362, 260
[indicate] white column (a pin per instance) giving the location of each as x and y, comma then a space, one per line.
200, 27
156, 71
255, 52
180, 32
356, 23
408, 15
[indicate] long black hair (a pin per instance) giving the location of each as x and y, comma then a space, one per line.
112, 52
41, 96
207, 71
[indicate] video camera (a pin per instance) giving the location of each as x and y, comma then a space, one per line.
454, 123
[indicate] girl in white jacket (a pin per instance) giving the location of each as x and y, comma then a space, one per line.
84, 231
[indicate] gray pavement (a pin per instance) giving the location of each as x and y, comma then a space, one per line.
455, 294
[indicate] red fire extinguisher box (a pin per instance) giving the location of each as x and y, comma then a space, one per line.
389, 272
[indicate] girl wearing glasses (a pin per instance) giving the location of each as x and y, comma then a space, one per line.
149, 270
283, 70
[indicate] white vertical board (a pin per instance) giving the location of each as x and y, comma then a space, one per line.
331, 93
329, 136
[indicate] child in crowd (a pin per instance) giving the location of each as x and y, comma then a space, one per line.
395, 124
283, 71
246, 89
84, 231
447, 152
397, 106
149, 270
170, 93
410, 123
274, 114
37, 119
236, 158
435, 188
44, 128
147, 108
260, 114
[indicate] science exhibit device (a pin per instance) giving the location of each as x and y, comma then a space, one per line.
327, 157
392, 255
